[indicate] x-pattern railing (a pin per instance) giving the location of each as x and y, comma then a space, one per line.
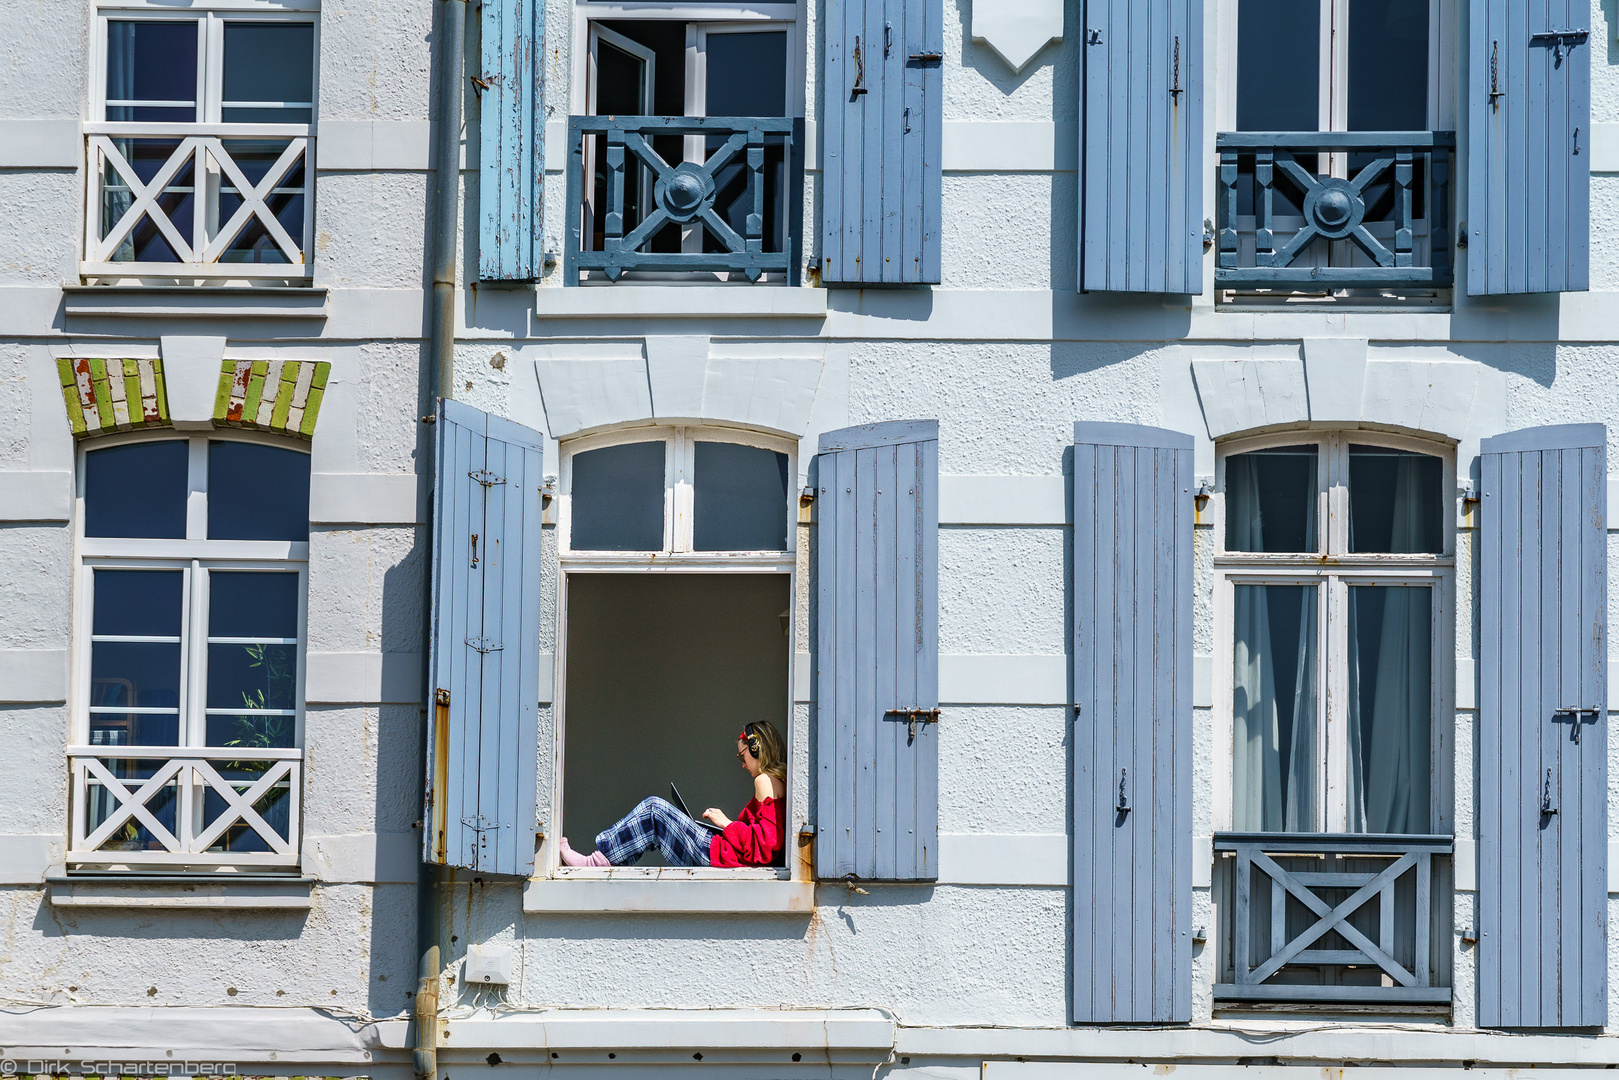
200, 248
687, 193
192, 775
1337, 207
1391, 858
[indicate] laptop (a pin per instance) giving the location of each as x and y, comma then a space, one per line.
680, 804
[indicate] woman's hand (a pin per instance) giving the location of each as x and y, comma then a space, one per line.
717, 817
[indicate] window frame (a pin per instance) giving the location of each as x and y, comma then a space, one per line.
197, 558
680, 441
1333, 570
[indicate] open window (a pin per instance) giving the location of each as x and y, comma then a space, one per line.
678, 551
1336, 151
188, 714
1334, 595
201, 142
687, 155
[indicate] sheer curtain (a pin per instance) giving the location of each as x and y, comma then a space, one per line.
1275, 756
1390, 681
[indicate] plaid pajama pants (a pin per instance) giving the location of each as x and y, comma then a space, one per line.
655, 823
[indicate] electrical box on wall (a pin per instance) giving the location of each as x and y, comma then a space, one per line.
487, 965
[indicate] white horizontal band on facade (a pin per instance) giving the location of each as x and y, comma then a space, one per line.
363, 499
33, 676
285, 1036
1467, 684
382, 858
25, 859
654, 894
1005, 679
1004, 858
36, 496
370, 678
373, 146
201, 892
1142, 1065
41, 144
1003, 500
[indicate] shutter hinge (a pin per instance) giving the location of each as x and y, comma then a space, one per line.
487, 478
485, 645
912, 717
926, 58
1093, 37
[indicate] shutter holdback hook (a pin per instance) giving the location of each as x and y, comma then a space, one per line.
1546, 807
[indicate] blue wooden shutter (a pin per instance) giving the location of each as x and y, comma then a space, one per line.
1543, 730
1141, 218
881, 140
485, 663
1132, 868
511, 153
1529, 179
877, 652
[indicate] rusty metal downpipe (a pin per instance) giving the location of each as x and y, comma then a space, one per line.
425, 1054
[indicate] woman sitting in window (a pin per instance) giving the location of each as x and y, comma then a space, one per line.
753, 839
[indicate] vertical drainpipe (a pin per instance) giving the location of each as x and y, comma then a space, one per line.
439, 374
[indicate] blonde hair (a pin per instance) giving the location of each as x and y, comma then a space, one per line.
766, 744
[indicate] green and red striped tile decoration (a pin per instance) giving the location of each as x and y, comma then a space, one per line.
282, 396
104, 396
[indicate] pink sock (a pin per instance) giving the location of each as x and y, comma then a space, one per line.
596, 858
571, 857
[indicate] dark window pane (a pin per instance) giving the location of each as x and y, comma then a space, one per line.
137, 490
135, 729
1390, 708
747, 74
257, 731
1271, 499
134, 674
245, 604
1388, 65
252, 676
617, 495
272, 807
137, 603
1274, 712
152, 60
621, 81
1395, 502
1278, 65
257, 492
740, 496
267, 66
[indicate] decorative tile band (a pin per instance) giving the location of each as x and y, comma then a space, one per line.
104, 396
282, 396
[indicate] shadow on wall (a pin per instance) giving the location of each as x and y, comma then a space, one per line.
1070, 359
1535, 360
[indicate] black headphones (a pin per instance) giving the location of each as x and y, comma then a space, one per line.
751, 739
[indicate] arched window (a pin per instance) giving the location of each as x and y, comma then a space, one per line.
189, 695
679, 562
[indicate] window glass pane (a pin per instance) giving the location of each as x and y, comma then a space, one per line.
747, 74
257, 492
740, 497
137, 603
1388, 65
135, 685
617, 496
1278, 65
252, 658
1395, 502
269, 75
152, 61
1390, 708
243, 604
1271, 500
138, 490
1274, 709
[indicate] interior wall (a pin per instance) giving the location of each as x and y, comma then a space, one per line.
663, 670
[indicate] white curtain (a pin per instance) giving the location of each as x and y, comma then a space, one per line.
1390, 721
1270, 794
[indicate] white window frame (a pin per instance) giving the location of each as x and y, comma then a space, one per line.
677, 557
208, 124
197, 557
1333, 570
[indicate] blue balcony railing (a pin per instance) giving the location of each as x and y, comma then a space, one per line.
1334, 210
1351, 918
683, 194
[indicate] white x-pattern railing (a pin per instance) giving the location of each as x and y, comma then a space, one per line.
199, 249
193, 774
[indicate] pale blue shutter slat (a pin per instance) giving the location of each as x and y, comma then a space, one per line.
1542, 877
1141, 212
483, 728
877, 645
1132, 871
1529, 187
511, 154
881, 138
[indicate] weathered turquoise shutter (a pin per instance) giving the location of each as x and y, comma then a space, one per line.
1529, 168
1132, 865
1141, 213
877, 652
511, 153
881, 140
1543, 730
485, 662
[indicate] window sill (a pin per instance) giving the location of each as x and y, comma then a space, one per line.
671, 890
680, 301
195, 301
241, 892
